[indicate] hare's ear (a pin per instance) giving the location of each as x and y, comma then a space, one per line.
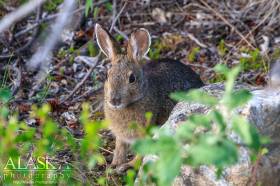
105, 43
138, 44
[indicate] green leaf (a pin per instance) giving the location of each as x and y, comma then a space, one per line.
237, 98
201, 120
89, 5
219, 119
4, 112
197, 96
96, 12
49, 128
230, 76
185, 131
26, 136
222, 69
154, 146
247, 132
168, 167
109, 6
130, 177
212, 150
5, 95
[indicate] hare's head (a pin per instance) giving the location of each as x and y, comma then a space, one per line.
126, 82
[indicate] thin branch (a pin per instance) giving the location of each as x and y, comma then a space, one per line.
114, 12
34, 33
83, 80
117, 16
193, 38
20, 13
87, 93
120, 32
17, 81
42, 54
51, 17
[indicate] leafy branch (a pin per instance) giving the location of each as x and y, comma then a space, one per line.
204, 139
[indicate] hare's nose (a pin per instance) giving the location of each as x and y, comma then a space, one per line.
116, 101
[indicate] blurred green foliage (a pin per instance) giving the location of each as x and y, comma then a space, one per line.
89, 6
20, 142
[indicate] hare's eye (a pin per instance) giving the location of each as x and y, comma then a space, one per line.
132, 78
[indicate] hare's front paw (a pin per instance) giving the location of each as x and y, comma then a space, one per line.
119, 153
115, 163
118, 160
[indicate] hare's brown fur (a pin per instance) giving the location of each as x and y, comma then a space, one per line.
135, 87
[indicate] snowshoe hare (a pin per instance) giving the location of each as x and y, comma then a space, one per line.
135, 86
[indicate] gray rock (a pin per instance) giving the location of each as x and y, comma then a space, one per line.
264, 112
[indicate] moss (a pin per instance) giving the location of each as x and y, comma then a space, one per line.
166, 43
155, 50
52, 5
193, 54
276, 54
217, 78
254, 61
222, 48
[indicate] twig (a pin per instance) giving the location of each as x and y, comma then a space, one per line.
105, 150
7, 56
34, 33
193, 38
117, 17
79, 84
200, 66
90, 61
17, 81
121, 33
83, 80
227, 22
87, 93
11, 18
114, 13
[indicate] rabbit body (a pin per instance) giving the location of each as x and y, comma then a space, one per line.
135, 87
161, 78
